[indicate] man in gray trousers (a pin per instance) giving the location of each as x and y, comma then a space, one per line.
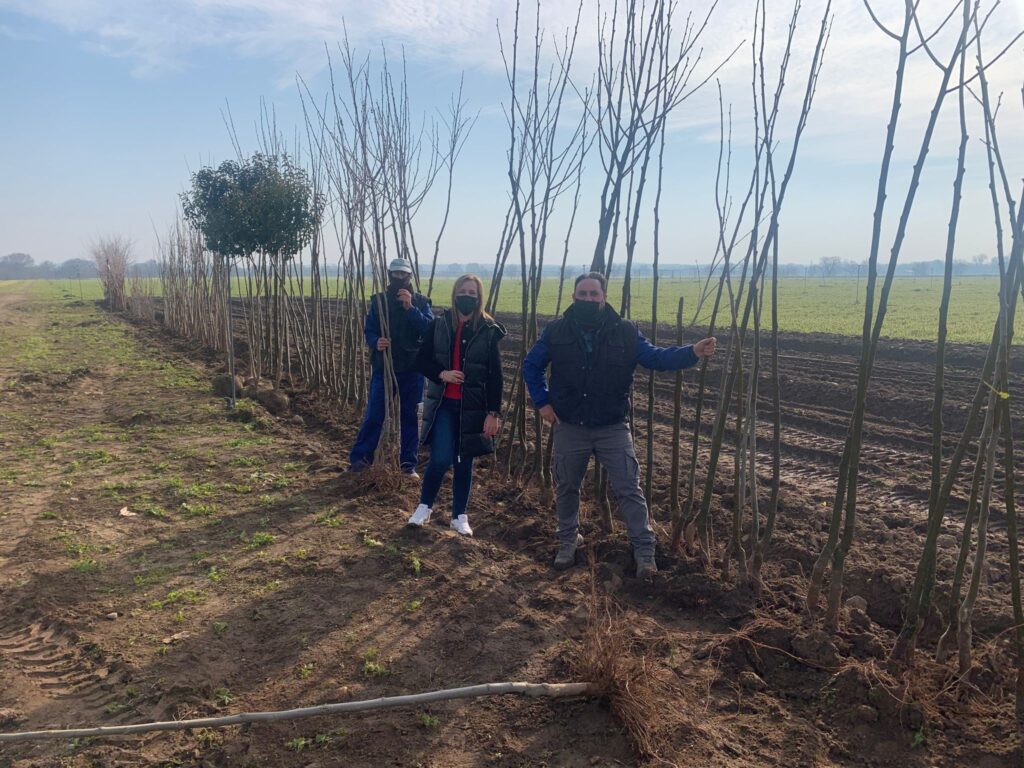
593, 352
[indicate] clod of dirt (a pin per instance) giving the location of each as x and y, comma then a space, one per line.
865, 713
752, 681
888, 596
274, 400
859, 618
222, 385
857, 603
866, 644
8, 717
817, 648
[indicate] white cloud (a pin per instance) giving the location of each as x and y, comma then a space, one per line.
850, 113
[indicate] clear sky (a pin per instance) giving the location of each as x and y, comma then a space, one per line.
107, 105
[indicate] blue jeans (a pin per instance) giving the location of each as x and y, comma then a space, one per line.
410, 394
444, 442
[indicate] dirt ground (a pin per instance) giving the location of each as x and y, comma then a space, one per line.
160, 560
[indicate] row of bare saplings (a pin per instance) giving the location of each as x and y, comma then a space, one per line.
369, 169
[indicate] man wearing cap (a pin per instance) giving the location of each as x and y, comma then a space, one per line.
409, 316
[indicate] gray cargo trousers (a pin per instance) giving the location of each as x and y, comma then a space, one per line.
613, 446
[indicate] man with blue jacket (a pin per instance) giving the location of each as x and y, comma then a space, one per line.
593, 352
408, 318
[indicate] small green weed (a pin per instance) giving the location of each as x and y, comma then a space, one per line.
428, 720
258, 540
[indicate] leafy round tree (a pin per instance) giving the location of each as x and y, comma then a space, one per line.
260, 206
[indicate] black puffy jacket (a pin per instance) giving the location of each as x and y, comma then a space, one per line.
482, 388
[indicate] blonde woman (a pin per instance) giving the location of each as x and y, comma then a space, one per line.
462, 409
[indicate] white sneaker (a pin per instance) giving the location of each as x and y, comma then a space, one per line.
421, 516
460, 525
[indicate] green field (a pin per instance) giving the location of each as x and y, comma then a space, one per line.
806, 305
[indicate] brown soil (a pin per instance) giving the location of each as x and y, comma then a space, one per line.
253, 576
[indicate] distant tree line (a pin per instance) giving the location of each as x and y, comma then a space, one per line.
21, 266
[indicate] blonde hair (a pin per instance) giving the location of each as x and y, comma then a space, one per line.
479, 312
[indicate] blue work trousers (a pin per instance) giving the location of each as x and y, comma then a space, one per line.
410, 395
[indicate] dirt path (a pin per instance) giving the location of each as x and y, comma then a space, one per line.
240, 579
160, 560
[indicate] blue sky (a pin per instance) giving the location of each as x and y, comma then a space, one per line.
107, 105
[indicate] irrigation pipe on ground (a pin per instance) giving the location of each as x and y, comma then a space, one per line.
547, 690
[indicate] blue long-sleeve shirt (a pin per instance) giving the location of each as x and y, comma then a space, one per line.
647, 355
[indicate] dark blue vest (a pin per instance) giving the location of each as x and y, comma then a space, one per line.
592, 386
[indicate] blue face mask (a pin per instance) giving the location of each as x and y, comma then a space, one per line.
585, 312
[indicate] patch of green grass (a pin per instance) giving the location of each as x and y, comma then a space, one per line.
223, 696
414, 605
258, 540
219, 628
428, 720
415, 564
299, 743
199, 490
153, 576
246, 461
196, 509
306, 671
156, 511
114, 488
86, 565
248, 442
371, 542
262, 589
97, 456
186, 596
208, 737
72, 546
372, 666
329, 518
49, 516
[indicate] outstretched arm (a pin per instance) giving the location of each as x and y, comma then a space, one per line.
672, 358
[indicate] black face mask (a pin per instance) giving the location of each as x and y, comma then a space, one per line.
398, 283
467, 304
586, 312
